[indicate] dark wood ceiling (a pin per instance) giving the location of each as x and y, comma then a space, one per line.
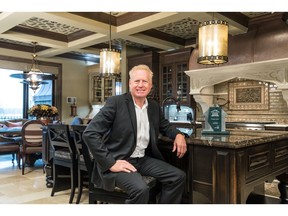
80, 35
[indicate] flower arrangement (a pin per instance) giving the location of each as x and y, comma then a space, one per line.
43, 110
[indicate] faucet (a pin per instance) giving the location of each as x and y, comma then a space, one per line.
178, 106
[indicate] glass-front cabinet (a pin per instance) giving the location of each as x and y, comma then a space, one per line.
103, 87
167, 81
182, 83
173, 80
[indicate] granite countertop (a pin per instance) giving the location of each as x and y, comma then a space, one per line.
236, 139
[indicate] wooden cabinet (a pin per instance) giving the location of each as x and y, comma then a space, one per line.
151, 59
222, 169
100, 88
173, 80
169, 78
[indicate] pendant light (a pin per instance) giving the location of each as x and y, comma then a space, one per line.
109, 58
213, 42
35, 77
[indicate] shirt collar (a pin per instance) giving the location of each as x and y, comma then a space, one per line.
144, 106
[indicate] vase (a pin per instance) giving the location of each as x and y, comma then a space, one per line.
45, 120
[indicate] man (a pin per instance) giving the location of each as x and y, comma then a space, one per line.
123, 139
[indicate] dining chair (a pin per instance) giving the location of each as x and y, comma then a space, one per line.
82, 169
31, 141
118, 196
63, 156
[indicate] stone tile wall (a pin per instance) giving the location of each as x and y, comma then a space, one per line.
277, 112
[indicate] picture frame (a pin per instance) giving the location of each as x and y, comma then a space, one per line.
248, 95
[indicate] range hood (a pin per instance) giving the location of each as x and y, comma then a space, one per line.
202, 81
260, 54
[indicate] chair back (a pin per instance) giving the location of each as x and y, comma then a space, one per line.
32, 134
77, 135
82, 148
61, 141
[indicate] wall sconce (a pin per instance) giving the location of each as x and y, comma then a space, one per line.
213, 42
72, 101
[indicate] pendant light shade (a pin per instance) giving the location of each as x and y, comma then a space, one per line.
109, 62
109, 58
213, 42
34, 78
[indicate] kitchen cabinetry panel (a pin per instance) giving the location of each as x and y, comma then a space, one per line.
103, 87
173, 80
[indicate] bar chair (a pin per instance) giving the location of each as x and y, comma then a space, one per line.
82, 169
64, 155
118, 196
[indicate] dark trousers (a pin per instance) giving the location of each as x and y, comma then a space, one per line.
171, 178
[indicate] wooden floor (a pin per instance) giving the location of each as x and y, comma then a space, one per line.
30, 188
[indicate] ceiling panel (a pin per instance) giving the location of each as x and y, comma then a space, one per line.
66, 34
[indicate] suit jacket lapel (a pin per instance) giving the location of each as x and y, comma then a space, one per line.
150, 117
132, 113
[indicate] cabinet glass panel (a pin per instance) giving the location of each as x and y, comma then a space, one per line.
97, 92
108, 88
103, 87
167, 81
182, 91
118, 86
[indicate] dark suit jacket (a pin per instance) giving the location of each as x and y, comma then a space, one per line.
111, 135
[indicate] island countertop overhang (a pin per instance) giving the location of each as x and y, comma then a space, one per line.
236, 139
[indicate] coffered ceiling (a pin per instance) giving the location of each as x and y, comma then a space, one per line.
80, 35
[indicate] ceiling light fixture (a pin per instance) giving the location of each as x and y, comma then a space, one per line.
213, 42
34, 78
109, 58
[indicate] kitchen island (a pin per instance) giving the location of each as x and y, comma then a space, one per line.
227, 168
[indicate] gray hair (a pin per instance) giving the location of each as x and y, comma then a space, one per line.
141, 67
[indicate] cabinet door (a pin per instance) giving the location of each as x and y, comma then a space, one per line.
167, 88
96, 90
175, 82
109, 85
103, 87
182, 86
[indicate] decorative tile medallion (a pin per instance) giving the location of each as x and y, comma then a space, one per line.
249, 95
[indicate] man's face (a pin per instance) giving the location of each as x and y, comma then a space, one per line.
140, 84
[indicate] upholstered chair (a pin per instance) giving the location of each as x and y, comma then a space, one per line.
31, 140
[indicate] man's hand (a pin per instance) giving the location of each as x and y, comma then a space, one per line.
180, 145
123, 166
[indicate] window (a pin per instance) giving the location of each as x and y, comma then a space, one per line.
12, 94
43, 95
